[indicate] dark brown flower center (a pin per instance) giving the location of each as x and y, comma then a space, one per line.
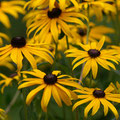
18, 42
83, 1
55, 13
110, 2
99, 94
82, 32
94, 53
50, 79
51, 49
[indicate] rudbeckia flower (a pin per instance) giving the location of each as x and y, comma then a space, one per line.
97, 97
92, 56
50, 3
98, 7
96, 32
52, 84
6, 81
12, 7
20, 47
45, 21
3, 36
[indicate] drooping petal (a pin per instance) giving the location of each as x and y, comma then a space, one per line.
46, 97
56, 96
105, 106
89, 106
33, 93
100, 44
82, 102
96, 106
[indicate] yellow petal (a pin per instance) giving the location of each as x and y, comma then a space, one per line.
66, 99
94, 68
89, 106
86, 68
46, 97
33, 93
56, 96
96, 106
82, 102
29, 57
56, 72
100, 44
103, 101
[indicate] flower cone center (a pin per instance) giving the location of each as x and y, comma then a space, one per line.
18, 42
50, 79
110, 2
99, 94
94, 53
82, 32
55, 13
83, 1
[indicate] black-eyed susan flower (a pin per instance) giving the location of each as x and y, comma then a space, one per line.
92, 56
12, 8
97, 97
100, 4
20, 47
44, 21
98, 7
6, 81
52, 84
3, 36
96, 32
51, 3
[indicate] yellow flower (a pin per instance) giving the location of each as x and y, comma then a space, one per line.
3, 36
92, 56
96, 32
97, 96
98, 7
6, 81
20, 47
45, 21
51, 3
10, 7
53, 85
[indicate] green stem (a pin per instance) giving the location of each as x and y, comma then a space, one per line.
25, 106
67, 43
88, 27
12, 102
56, 53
